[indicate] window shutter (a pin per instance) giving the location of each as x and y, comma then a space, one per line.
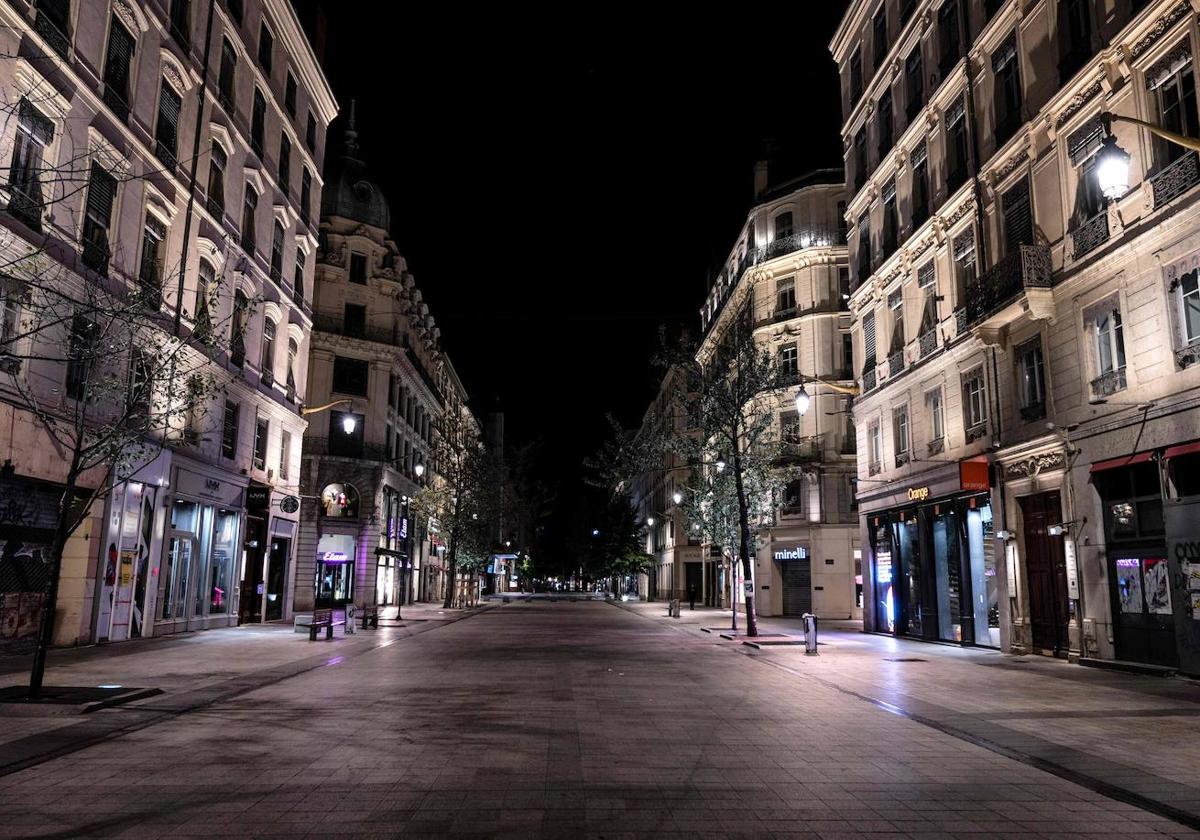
869, 340
119, 59
102, 190
889, 192
1018, 216
954, 113
1166, 67
167, 131
919, 155
1085, 140
964, 248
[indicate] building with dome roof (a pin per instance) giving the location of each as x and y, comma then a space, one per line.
376, 356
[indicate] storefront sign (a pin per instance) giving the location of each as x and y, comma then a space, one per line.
207, 487
1072, 570
918, 494
334, 557
289, 504
973, 474
403, 534
258, 497
800, 552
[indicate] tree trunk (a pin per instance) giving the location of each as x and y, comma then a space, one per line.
62, 532
744, 540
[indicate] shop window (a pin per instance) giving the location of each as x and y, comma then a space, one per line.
220, 565
350, 375
1031, 380
975, 414
339, 501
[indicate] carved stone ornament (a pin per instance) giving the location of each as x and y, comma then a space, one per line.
1173, 15
1034, 465
173, 76
1078, 101
958, 212
125, 12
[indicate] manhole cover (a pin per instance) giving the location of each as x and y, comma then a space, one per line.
904, 659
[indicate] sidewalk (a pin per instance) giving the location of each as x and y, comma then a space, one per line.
1129, 736
192, 670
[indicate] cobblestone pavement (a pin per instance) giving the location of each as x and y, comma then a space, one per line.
582, 720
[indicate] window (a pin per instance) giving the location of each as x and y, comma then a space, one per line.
788, 357
879, 38
863, 250
900, 434
956, 147
237, 328
180, 14
920, 186
927, 281
1175, 95
1074, 37
293, 351
258, 123
937, 417
166, 131
785, 295
350, 375
305, 195
1007, 92
860, 159
783, 225
884, 124
974, 404
310, 133
896, 305
1018, 216
856, 77
262, 429
1109, 341
298, 278
81, 346
289, 94
874, 448
1031, 380
195, 410
206, 291
358, 267
268, 352
102, 191
34, 132
139, 392
11, 293
117, 63
869, 348
914, 85
277, 252
150, 271
225, 76
963, 249
354, 320
1188, 288
949, 37
266, 46
215, 200
285, 453
285, 164
843, 280
249, 209
891, 221
53, 24
847, 369
229, 430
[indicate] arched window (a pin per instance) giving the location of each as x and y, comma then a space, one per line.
277, 252
268, 352
339, 501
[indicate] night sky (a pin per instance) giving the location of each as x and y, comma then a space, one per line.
562, 186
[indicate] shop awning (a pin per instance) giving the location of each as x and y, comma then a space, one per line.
1123, 461
1183, 449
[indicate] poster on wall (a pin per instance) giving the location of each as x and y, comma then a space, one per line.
1129, 585
1157, 586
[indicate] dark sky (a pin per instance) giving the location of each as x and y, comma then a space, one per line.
563, 183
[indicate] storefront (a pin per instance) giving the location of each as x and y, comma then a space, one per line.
202, 556
933, 564
268, 547
129, 544
28, 513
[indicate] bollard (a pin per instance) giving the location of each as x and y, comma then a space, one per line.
810, 634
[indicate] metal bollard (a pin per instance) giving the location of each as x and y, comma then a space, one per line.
810, 634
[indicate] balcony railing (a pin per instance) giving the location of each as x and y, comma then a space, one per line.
58, 40
1027, 267
902, 458
815, 237
960, 320
1090, 235
928, 342
802, 449
1175, 179
1107, 384
896, 363
936, 446
868, 379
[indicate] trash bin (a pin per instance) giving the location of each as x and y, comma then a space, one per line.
810, 634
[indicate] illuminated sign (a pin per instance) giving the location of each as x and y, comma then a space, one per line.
403, 527
918, 494
330, 557
797, 553
973, 474
883, 567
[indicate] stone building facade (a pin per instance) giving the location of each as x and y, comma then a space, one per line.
113, 173
1025, 345
788, 273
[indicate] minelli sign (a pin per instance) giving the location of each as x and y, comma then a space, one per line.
797, 553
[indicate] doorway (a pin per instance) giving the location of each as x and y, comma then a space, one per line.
694, 581
277, 578
797, 586
1046, 571
253, 585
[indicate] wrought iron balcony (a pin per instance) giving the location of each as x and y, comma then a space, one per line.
1107, 384
801, 449
896, 363
813, 237
902, 458
1188, 355
868, 379
927, 342
974, 433
874, 468
960, 320
1090, 235
1175, 179
936, 446
53, 34
350, 448
1027, 267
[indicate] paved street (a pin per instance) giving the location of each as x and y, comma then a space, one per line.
596, 720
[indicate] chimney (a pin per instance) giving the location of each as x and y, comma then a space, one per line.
760, 179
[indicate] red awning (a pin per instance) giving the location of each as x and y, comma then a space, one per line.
1183, 449
1123, 461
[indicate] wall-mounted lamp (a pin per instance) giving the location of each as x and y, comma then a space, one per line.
1059, 530
1005, 535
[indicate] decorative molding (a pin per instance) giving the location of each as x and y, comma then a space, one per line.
1012, 163
127, 15
1160, 27
1034, 465
173, 72
1176, 57
957, 213
1077, 102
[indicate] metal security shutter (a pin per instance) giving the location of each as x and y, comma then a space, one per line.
797, 586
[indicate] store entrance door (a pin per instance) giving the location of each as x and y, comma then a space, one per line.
694, 582
253, 584
797, 587
1046, 570
277, 578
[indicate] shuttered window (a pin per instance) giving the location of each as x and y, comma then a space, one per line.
225, 79
258, 122
305, 194
1018, 216
117, 64
166, 132
285, 164
216, 181
102, 191
249, 208
869, 341
277, 253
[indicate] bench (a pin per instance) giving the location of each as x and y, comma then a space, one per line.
320, 618
370, 616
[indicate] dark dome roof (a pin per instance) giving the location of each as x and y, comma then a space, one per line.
347, 191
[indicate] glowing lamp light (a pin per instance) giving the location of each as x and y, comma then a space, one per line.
650, 521
595, 532
677, 497
349, 424
802, 400
720, 465
419, 469
1112, 169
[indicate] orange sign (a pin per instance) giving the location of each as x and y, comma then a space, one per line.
973, 474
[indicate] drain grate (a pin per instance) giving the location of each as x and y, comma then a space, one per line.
904, 659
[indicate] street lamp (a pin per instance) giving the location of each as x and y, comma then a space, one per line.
1112, 168
677, 497
720, 465
650, 521
419, 469
349, 424
802, 400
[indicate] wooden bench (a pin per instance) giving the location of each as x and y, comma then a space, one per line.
321, 618
370, 617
